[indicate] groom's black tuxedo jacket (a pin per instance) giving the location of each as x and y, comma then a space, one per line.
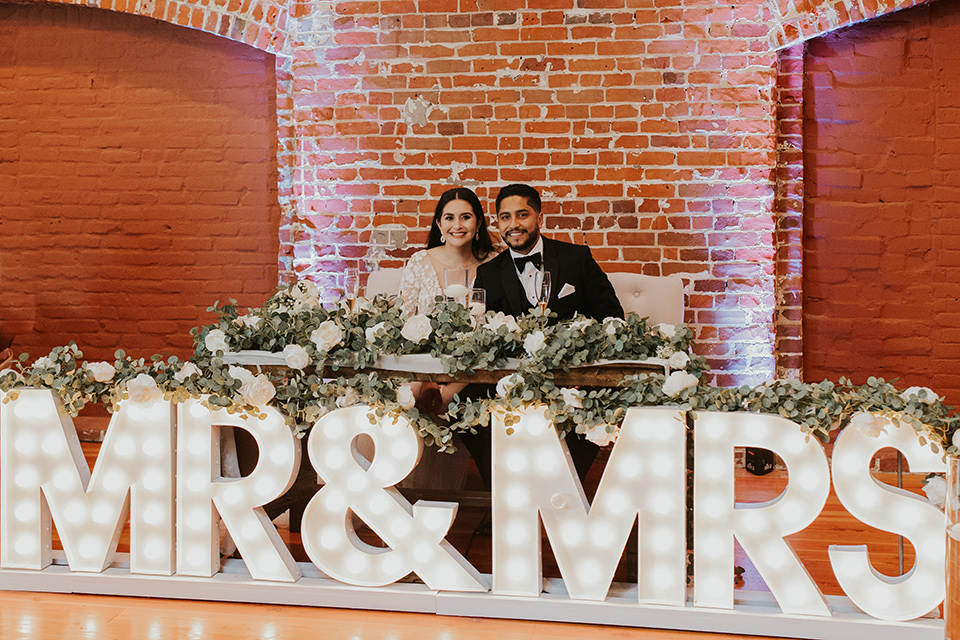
572, 268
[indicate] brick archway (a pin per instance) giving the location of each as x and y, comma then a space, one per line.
794, 21
258, 23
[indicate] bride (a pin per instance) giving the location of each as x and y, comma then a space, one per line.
458, 239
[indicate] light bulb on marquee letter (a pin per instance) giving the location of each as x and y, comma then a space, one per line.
415, 535
888, 508
534, 479
760, 528
237, 501
40, 449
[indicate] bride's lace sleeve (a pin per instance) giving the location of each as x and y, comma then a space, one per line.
418, 285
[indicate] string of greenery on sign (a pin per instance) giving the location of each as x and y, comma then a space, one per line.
311, 337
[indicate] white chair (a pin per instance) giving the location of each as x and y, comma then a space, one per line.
385, 281
658, 297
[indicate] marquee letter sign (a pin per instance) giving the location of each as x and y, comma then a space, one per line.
45, 480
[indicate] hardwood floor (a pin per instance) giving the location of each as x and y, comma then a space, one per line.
42, 616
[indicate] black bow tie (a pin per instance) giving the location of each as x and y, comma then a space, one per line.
522, 261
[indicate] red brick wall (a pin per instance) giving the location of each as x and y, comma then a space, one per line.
882, 216
138, 179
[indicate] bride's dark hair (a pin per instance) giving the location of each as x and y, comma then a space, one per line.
481, 245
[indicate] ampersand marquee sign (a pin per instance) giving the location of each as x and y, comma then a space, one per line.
159, 465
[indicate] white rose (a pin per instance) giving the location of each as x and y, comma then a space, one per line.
929, 398
405, 397
43, 362
956, 439
349, 398
571, 397
936, 490
611, 324
143, 390
678, 381
241, 374
215, 341
250, 321
581, 324
326, 336
417, 329
102, 371
258, 392
508, 382
306, 293
599, 435
372, 332
500, 319
678, 360
868, 424
296, 356
534, 342
188, 369
666, 330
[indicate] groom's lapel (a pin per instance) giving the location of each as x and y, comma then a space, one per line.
511, 286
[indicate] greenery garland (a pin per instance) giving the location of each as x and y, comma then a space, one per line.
293, 322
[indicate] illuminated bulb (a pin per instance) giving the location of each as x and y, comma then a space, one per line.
589, 572
401, 527
533, 426
89, 547
357, 480
546, 461
602, 536
663, 466
435, 520
517, 533
264, 488
102, 513
75, 512
714, 509
333, 429
53, 444
572, 533
330, 538
334, 500
26, 545
27, 477
198, 519
794, 444
516, 462
153, 444
63, 479
31, 410
197, 410
124, 446
116, 481
713, 545
154, 514
423, 552
849, 464
280, 456
26, 444
357, 564
198, 442
662, 502
251, 530
232, 494
711, 466
558, 501
26, 511
379, 503
865, 498
385, 470
517, 497
139, 412
153, 480
630, 466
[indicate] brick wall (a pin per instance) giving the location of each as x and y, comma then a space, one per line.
666, 136
138, 179
882, 216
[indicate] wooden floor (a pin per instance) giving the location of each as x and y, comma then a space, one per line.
33, 616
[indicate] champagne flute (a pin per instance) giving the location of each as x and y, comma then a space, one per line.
351, 286
542, 284
455, 285
478, 305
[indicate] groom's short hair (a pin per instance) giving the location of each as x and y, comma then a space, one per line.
522, 190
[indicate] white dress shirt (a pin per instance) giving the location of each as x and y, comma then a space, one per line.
528, 276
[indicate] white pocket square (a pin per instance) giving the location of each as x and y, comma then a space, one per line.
567, 290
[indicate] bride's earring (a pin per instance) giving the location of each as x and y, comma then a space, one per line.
443, 239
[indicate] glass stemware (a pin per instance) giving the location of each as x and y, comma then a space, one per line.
478, 305
455, 285
351, 286
542, 288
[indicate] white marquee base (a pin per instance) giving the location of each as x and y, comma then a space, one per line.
755, 613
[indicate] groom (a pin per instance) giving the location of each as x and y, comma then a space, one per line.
578, 285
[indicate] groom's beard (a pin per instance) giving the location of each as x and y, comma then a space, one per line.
523, 242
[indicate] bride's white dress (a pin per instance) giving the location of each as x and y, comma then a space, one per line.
419, 284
